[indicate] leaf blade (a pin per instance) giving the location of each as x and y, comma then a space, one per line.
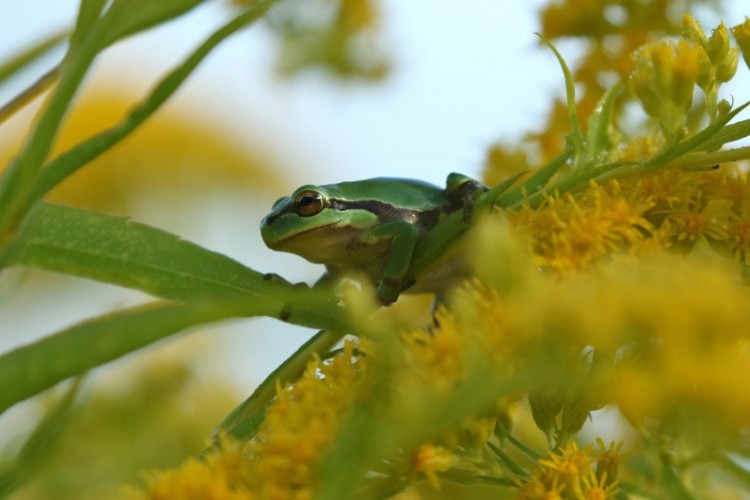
39, 365
133, 255
123, 252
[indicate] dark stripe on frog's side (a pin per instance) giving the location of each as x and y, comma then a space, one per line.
384, 211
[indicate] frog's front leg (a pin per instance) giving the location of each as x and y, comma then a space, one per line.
462, 192
402, 237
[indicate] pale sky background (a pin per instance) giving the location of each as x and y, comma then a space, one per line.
465, 75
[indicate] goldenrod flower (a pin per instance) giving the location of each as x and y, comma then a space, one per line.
664, 79
430, 460
568, 473
595, 487
741, 34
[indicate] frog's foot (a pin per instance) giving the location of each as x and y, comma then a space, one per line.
390, 288
463, 192
472, 191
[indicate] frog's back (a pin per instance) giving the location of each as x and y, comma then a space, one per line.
402, 193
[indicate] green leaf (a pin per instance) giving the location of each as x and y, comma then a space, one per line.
38, 445
20, 185
730, 133
70, 161
534, 184
30, 55
693, 142
126, 253
29, 94
243, 422
119, 251
128, 17
576, 134
40, 365
88, 14
597, 138
491, 196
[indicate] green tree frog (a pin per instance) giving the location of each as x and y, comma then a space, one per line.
369, 227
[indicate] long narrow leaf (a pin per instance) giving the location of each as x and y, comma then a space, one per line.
576, 134
243, 421
133, 255
533, 184
70, 161
18, 179
29, 94
730, 133
37, 446
34, 367
128, 17
88, 13
695, 141
23, 59
600, 121
120, 251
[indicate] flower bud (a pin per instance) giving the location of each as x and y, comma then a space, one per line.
718, 45
726, 69
693, 31
741, 34
664, 79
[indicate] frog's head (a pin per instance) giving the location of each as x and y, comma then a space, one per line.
313, 224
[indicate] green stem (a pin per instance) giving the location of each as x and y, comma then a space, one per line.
23, 59
29, 94
18, 178
20, 188
509, 462
70, 161
526, 450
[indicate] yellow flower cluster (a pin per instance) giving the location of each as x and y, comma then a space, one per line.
664, 79
669, 210
280, 461
575, 473
571, 232
665, 340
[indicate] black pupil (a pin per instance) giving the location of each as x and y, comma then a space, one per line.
308, 204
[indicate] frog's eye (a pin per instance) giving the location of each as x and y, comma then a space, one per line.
308, 203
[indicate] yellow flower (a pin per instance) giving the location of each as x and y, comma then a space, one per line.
595, 487
741, 34
571, 232
430, 460
608, 462
280, 461
218, 476
567, 467
568, 473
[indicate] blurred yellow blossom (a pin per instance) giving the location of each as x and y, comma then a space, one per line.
429, 460
741, 34
174, 152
